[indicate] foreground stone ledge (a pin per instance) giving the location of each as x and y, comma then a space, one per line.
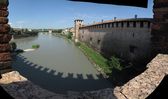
143, 85
21, 88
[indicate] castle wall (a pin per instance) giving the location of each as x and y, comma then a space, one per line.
127, 40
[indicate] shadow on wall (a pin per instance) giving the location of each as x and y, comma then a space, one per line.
131, 50
54, 81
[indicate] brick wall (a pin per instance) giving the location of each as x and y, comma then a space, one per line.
5, 37
159, 28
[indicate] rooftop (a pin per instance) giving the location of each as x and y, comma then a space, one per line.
120, 20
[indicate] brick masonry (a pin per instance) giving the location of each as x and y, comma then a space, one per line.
4, 20
5, 37
159, 28
4, 47
4, 28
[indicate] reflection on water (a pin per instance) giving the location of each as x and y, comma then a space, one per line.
57, 65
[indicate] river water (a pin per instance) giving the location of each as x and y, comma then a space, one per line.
58, 65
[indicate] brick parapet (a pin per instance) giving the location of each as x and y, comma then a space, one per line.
159, 28
5, 37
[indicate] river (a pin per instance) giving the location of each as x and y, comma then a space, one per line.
58, 65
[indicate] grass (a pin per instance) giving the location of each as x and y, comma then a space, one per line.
97, 58
35, 46
102, 62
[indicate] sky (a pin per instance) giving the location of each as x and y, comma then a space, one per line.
56, 14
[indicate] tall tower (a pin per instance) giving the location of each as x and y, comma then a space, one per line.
78, 24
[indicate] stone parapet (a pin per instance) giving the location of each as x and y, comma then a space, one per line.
143, 85
21, 88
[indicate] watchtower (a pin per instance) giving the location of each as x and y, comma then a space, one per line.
78, 24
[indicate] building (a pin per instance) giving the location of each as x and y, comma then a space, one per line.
129, 39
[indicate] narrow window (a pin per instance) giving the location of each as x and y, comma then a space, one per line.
141, 24
134, 24
98, 41
122, 24
112, 24
128, 24
133, 34
116, 24
132, 48
148, 24
90, 38
108, 25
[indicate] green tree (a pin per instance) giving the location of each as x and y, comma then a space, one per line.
69, 36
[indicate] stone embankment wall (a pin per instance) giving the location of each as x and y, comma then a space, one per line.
143, 85
5, 37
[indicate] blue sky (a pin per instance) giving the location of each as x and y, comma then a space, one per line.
61, 13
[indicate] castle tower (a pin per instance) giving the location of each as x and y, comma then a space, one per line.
78, 24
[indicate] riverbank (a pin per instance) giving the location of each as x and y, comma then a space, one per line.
100, 63
97, 59
24, 35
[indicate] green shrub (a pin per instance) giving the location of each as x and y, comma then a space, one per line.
114, 63
69, 36
35, 46
77, 43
